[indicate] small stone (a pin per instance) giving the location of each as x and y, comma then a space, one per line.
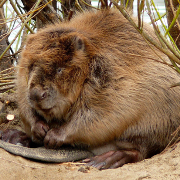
10, 117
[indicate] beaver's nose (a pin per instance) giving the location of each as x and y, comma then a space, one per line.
37, 94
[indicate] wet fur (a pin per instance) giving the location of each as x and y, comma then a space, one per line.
103, 83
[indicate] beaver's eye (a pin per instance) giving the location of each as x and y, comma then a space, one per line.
59, 70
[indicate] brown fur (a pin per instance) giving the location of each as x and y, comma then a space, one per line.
95, 81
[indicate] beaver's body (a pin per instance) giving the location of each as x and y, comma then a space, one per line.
94, 81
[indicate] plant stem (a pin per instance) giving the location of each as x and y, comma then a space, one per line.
25, 22
22, 19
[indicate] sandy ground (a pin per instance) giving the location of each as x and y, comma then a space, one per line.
164, 166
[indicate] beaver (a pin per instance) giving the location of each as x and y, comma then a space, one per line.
95, 83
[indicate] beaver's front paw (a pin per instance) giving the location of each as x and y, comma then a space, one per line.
39, 131
54, 139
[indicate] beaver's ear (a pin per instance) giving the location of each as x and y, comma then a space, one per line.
79, 43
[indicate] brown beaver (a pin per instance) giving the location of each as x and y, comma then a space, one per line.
94, 82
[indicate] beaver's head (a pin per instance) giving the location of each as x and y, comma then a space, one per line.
56, 66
